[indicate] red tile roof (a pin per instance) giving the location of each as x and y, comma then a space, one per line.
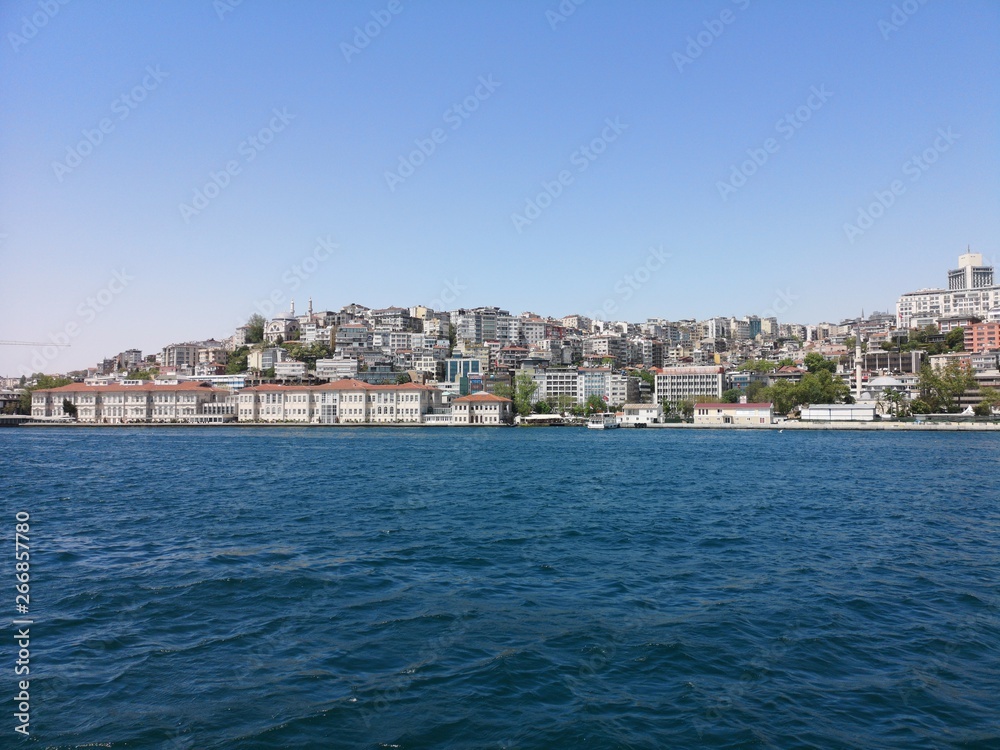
476, 398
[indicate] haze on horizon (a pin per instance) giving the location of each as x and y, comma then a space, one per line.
179, 164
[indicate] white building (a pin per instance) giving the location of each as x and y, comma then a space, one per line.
119, 404
482, 409
339, 402
675, 384
838, 413
736, 415
971, 291
636, 414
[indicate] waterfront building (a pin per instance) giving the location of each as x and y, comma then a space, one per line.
860, 412
481, 409
641, 414
131, 401
736, 415
675, 384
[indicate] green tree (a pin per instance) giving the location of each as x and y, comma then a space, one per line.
237, 361
955, 339
990, 401
542, 407
820, 387
786, 362
595, 404
307, 353
783, 395
521, 393
685, 408
69, 408
564, 403
815, 361
268, 374
255, 328
757, 365
941, 389
403, 378
647, 376
756, 391
732, 396
40, 382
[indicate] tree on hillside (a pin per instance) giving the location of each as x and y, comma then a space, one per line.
255, 328
237, 361
940, 389
732, 396
815, 361
955, 339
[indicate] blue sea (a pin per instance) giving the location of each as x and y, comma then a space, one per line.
505, 588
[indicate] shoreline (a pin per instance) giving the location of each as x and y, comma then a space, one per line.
790, 425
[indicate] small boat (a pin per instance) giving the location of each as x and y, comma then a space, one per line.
603, 421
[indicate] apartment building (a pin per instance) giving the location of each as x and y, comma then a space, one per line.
675, 384
971, 291
982, 336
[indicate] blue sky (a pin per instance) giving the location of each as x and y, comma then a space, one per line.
696, 89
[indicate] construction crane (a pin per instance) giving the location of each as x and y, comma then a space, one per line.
30, 343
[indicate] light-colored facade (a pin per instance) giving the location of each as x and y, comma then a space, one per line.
838, 413
121, 404
737, 415
481, 409
971, 291
636, 414
339, 402
675, 384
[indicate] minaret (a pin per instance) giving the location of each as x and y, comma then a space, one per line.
293, 307
310, 307
857, 364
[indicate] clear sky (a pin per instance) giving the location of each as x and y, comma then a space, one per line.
744, 135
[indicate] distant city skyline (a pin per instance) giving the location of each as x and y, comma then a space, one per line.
170, 170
